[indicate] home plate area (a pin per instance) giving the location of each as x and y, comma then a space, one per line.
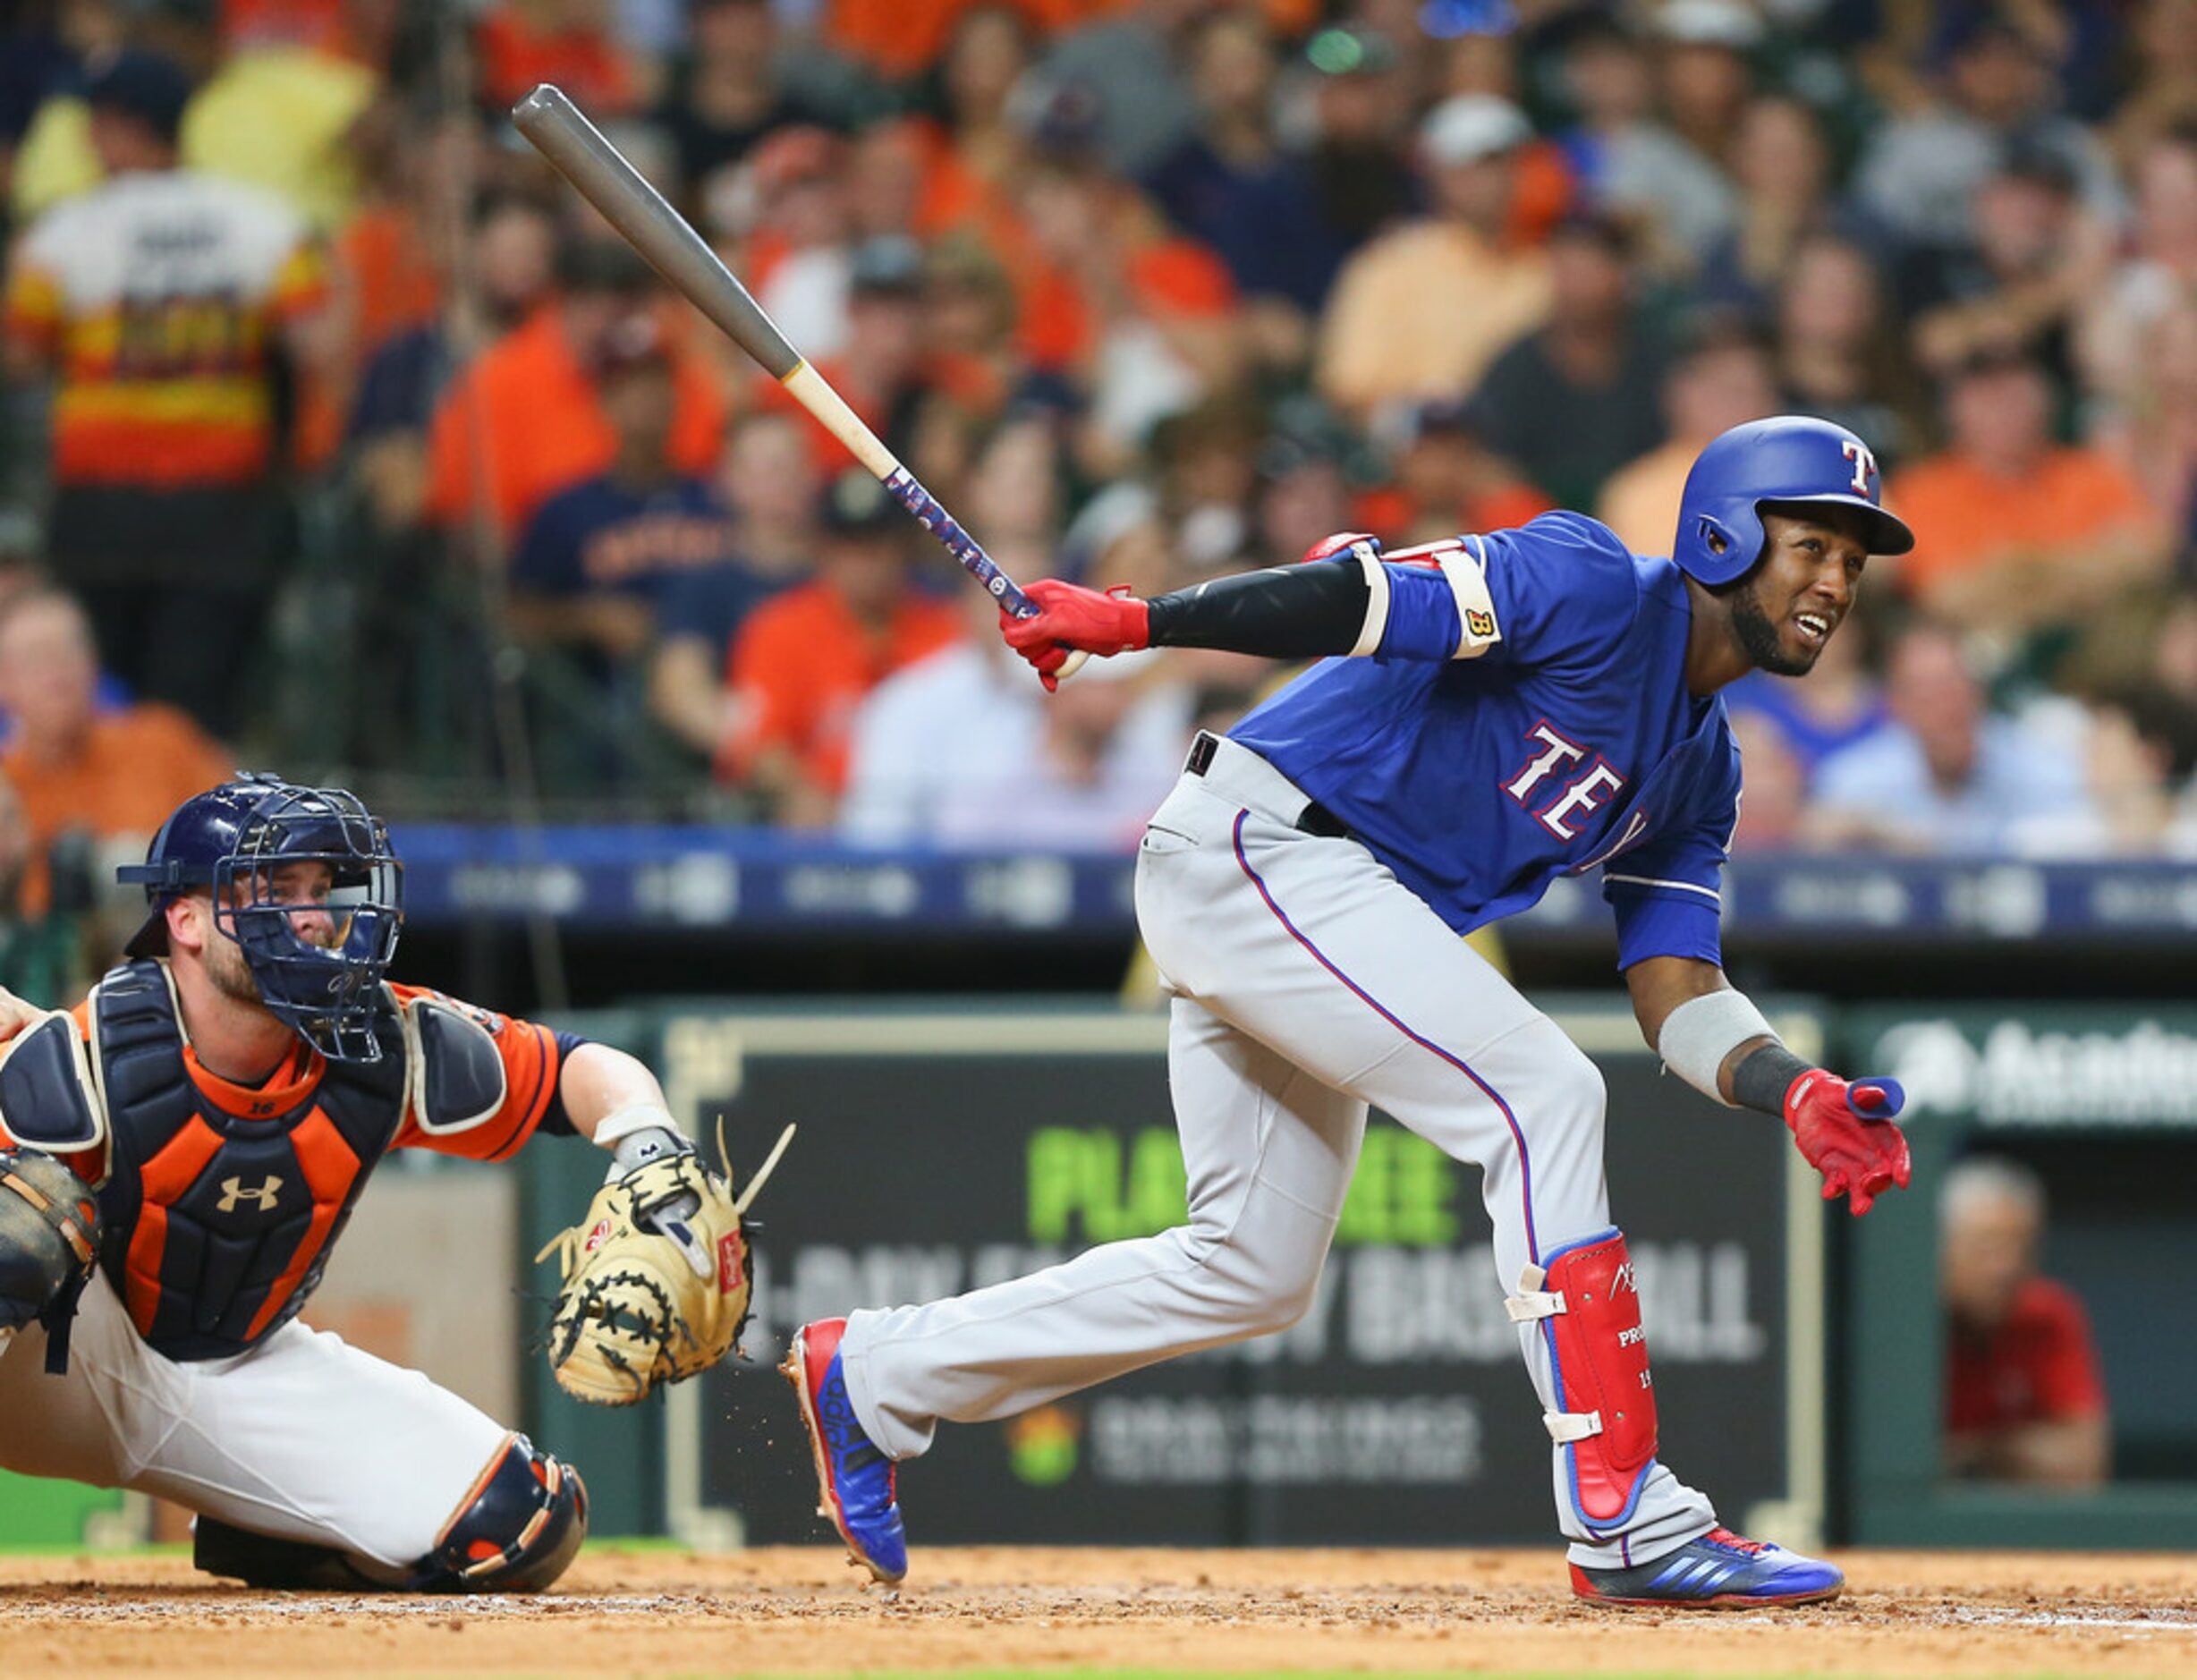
998, 1611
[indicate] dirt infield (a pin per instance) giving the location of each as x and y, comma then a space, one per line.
801, 1612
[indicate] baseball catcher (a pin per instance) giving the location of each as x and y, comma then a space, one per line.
180, 1153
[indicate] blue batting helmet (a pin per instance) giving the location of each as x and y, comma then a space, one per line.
231, 841
1787, 458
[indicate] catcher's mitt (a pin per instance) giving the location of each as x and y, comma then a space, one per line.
655, 1278
49, 1238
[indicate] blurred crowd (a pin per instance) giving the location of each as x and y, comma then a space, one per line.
336, 428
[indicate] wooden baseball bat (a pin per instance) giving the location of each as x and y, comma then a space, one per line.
557, 129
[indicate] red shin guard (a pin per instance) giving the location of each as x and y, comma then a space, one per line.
1604, 1415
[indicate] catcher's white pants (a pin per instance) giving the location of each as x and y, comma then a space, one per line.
1307, 983
303, 1437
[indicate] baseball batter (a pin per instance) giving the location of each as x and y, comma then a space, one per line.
1499, 711
178, 1156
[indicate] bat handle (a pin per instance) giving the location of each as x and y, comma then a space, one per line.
909, 491
910, 495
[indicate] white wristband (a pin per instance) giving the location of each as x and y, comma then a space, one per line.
1701, 1031
621, 1123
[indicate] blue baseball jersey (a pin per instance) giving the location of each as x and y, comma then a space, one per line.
1523, 716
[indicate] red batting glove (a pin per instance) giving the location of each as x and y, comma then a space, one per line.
1846, 1133
1070, 617
1342, 540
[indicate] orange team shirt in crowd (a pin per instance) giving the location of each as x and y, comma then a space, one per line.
138, 765
1641, 500
800, 666
1170, 278
2040, 1366
518, 52
156, 297
393, 281
388, 285
1963, 517
900, 39
1391, 329
529, 402
319, 24
1391, 515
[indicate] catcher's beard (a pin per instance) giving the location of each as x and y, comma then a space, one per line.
232, 975
229, 969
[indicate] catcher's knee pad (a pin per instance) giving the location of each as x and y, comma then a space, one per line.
1603, 1413
518, 1527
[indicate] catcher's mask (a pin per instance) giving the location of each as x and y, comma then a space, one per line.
232, 840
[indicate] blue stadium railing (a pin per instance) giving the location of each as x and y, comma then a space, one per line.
734, 878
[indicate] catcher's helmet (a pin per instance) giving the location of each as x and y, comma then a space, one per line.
230, 840
1787, 458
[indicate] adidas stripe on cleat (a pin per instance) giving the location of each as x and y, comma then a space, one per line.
1720, 1570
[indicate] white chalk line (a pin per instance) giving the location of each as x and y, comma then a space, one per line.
2157, 1622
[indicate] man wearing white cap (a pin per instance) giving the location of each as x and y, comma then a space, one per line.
1422, 311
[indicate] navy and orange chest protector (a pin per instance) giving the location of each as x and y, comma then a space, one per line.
222, 1204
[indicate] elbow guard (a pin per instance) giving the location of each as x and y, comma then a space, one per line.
1300, 612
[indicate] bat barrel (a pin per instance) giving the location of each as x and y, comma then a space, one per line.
557, 129
560, 131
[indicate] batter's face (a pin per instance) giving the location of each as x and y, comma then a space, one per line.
1792, 604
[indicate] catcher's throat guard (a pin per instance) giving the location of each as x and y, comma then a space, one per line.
1587, 1305
318, 960
655, 1278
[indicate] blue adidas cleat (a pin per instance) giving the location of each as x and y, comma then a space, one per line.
1719, 1570
855, 1480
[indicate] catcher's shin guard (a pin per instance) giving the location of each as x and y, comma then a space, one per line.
517, 1531
520, 1526
1603, 1415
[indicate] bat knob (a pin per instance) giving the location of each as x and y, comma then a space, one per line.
1070, 666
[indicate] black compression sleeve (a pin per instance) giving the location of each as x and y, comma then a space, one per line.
1764, 1075
1299, 612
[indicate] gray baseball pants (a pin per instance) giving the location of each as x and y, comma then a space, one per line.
1307, 983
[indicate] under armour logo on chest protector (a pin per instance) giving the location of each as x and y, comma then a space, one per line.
235, 1191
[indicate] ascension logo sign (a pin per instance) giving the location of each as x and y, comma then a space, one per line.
2075, 1071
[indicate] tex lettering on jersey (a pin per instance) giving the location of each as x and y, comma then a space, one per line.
222, 1203
1583, 780
1566, 742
